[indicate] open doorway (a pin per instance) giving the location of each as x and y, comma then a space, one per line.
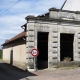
66, 46
11, 57
42, 45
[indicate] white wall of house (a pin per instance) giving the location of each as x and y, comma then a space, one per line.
73, 5
19, 55
6, 54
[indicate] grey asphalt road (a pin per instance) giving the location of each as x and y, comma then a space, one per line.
8, 72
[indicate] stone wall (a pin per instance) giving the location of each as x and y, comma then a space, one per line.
57, 22
29, 44
54, 29
64, 14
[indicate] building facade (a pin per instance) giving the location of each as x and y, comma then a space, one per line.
14, 51
55, 34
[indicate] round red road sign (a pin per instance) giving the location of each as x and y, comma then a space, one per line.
34, 52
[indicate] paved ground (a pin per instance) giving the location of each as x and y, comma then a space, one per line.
8, 72
57, 75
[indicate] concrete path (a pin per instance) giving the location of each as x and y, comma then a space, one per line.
73, 74
8, 72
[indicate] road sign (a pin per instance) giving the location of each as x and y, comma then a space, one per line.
34, 52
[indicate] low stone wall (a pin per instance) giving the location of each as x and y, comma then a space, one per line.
30, 65
21, 65
64, 64
6, 61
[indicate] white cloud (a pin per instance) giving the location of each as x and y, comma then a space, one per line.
12, 20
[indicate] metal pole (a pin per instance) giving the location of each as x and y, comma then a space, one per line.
35, 69
35, 61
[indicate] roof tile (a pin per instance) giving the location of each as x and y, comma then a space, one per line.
15, 38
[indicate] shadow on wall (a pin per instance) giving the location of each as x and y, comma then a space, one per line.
9, 72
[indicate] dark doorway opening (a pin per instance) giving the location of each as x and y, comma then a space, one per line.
66, 46
42, 45
11, 57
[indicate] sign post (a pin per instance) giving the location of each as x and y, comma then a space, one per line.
35, 69
35, 53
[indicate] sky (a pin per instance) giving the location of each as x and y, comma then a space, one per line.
73, 5
13, 17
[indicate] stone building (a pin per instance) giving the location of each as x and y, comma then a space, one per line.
55, 34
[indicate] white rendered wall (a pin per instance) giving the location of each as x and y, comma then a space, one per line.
73, 5
19, 55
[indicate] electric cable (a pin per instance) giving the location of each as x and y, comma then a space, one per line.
9, 7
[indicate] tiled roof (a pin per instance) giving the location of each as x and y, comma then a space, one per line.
15, 38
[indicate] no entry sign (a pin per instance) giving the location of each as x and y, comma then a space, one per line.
34, 52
